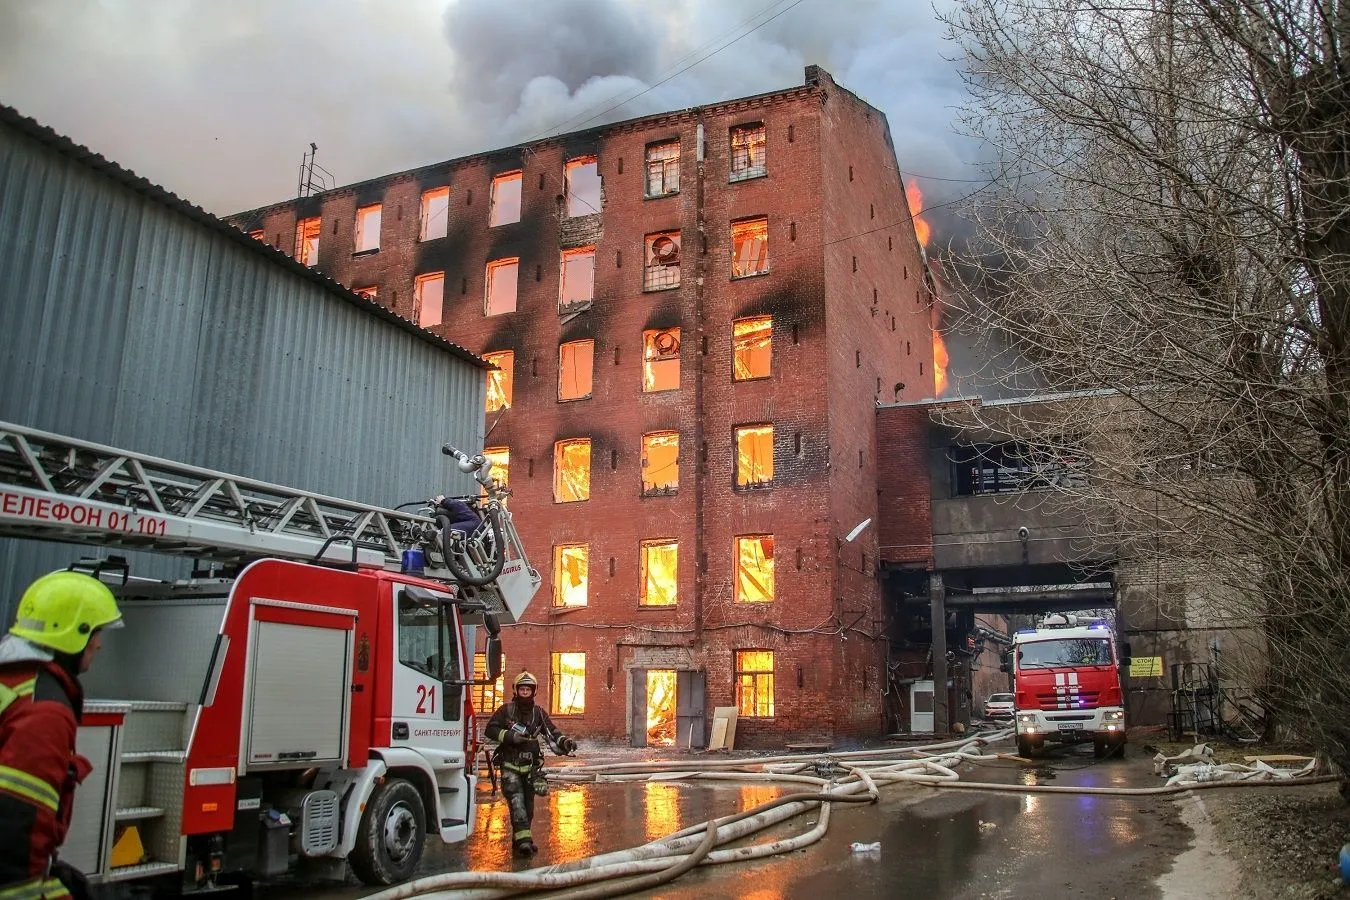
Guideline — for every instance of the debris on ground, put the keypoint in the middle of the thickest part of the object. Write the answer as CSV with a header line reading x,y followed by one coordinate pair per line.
x,y
1285,840
860,847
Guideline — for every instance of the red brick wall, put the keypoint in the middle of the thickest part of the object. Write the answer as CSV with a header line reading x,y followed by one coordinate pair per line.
x,y
903,486
821,403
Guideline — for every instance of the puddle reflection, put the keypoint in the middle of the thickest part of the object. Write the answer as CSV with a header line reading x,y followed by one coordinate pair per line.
x,y
663,810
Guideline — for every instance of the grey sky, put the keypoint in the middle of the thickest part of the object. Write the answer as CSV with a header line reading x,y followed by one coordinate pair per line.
x,y
217,100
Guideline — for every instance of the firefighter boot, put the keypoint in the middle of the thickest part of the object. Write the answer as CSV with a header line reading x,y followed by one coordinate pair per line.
x,y
524,847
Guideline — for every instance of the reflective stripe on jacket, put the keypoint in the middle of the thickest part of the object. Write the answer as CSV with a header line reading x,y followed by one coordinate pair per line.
x,y
40,706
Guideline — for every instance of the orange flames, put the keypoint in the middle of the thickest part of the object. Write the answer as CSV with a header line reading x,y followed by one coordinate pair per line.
x,y
922,230
940,360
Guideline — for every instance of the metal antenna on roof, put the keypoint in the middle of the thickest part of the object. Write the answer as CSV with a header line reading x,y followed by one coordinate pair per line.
x,y
314,178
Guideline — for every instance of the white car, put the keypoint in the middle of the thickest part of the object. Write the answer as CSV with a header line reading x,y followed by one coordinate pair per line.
x,y
998,706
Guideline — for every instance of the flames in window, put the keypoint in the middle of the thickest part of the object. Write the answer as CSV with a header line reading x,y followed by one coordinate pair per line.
x,y
749,247
307,241
661,360
572,471
499,380
500,457
569,684
754,455
571,574
660,571
754,683
660,462
754,568
752,348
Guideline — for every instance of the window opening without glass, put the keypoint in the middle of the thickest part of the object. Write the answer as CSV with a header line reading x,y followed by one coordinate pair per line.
x,y
571,574
503,275
749,247
660,360
504,205
429,298
572,471
752,348
568,684
500,380
435,221
576,368
659,573
583,186
660,462
754,568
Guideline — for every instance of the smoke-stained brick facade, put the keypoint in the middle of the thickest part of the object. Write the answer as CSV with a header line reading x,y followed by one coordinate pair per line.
x,y
850,328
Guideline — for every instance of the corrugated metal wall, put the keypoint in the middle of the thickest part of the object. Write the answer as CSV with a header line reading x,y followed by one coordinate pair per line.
x,y
124,321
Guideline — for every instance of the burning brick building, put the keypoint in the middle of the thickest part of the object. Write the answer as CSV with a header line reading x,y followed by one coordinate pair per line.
x,y
694,315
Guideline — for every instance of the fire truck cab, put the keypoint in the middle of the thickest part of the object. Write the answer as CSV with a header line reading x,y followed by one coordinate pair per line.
x,y
1066,687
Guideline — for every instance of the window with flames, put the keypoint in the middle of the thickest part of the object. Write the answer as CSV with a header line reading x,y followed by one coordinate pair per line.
x,y
754,568
567,694
754,683
500,457
660,573
307,241
571,574
752,348
499,380
572,470
662,270
754,456
660,360
660,463
749,247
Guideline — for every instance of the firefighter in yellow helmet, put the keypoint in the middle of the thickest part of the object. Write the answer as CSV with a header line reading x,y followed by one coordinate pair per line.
x,y
517,726
54,639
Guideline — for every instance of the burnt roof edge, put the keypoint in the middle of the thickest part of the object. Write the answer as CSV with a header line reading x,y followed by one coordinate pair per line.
x,y
812,86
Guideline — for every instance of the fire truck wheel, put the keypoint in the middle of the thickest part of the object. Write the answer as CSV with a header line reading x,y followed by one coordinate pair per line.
x,y
393,832
1025,748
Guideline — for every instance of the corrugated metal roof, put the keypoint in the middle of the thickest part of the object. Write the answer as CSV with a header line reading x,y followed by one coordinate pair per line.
x,y
41,133
130,318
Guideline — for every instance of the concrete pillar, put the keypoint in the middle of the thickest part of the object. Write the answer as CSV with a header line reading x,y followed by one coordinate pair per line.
x,y
937,610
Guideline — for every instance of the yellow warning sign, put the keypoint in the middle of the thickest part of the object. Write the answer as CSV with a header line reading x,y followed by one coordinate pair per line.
x,y
1146,667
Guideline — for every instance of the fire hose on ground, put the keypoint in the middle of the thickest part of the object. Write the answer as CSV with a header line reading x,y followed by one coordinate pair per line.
x,y
846,777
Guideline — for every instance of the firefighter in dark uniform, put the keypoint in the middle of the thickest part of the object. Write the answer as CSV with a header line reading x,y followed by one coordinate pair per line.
x,y
54,640
517,726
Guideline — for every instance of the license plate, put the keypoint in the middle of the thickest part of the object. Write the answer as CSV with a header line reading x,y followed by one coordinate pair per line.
x,y
1070,726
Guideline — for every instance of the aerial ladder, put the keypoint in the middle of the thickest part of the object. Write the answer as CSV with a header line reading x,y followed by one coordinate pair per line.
x,y
60,488
302,694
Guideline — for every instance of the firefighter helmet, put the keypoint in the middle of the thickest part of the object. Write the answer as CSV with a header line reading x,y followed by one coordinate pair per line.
x,y
61,610
524,679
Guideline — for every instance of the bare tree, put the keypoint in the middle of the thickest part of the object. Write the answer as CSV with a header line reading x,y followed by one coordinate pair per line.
x,y
1169,220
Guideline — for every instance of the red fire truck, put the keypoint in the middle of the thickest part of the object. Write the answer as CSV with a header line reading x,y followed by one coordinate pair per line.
x,y
302,694
1066,687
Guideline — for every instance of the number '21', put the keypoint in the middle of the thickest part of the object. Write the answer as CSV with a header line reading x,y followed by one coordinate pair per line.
x,y
426,699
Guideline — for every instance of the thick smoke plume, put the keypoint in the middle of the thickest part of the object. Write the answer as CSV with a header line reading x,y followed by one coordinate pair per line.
x,y
216,101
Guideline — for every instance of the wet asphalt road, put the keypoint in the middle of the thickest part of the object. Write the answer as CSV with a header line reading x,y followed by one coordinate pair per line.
x,y
945,845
